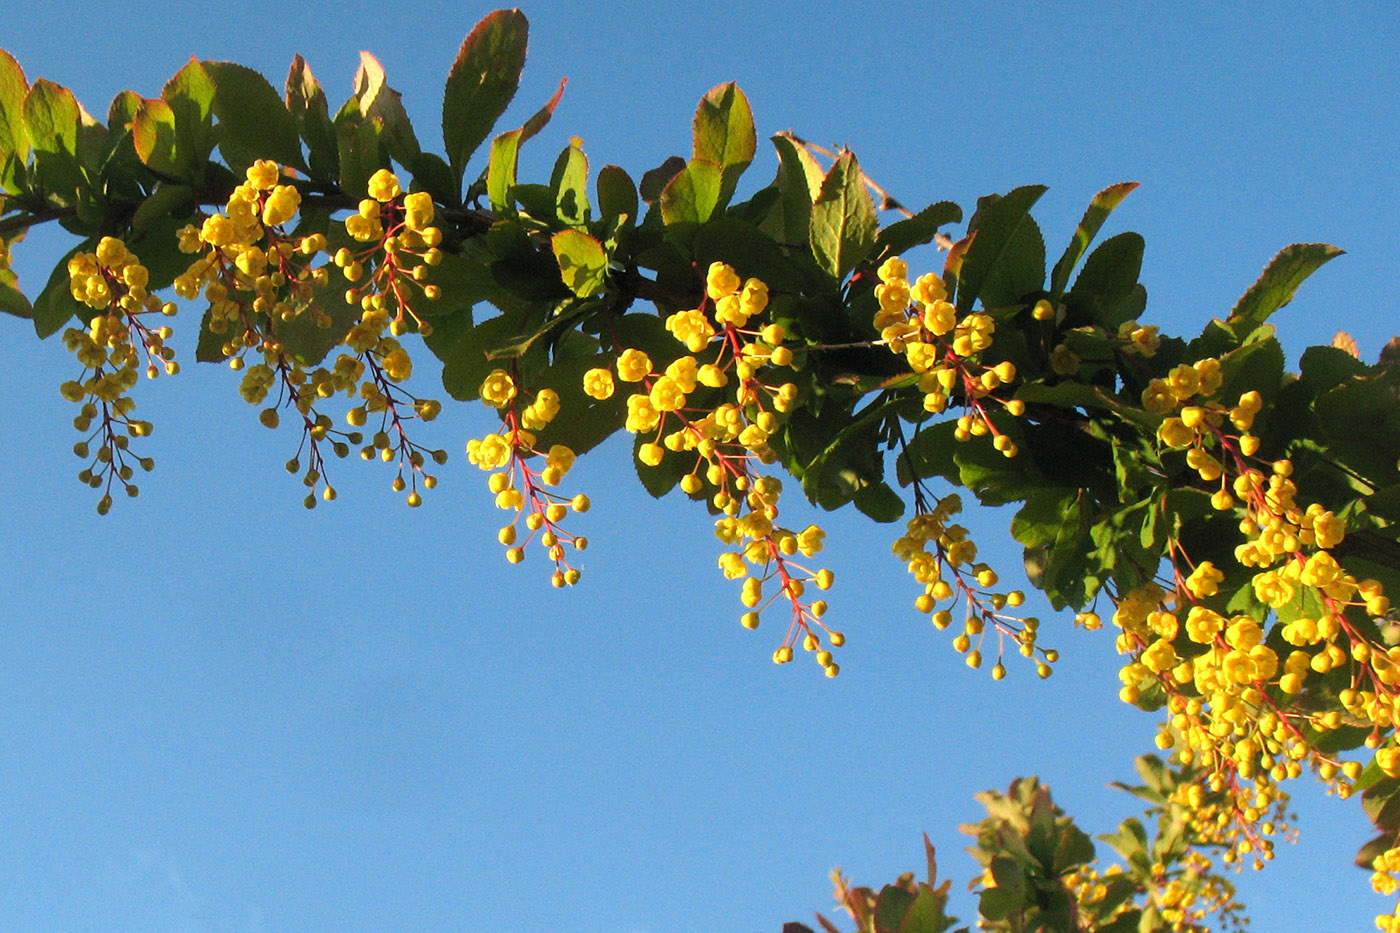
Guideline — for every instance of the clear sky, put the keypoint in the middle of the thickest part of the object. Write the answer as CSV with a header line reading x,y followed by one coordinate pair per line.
x,y
220,712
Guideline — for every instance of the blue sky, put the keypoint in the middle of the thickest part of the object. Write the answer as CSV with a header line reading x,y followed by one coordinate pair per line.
x,y
220,712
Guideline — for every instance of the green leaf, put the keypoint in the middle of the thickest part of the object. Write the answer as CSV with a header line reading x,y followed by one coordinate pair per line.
x,y
121,171
1072,395
122,110
505,149
1109,276
190,94
904,235
1130,841
1280,279
52,118
481,84
749,250
56,305
433,175
995,228
929,453
569,186
583,263
654,181
584,422
1054,528
926,914
1257,366
996,479
1019,270
724,134
14,138
879,502
843,219
998,903
660,479
1072,848
465,280
617,195
156,139
693,194
1103,204
254,122
306,341
892,906
360,155
163,202
306,101
1361,423
209,348
12,300
378,101
468,364
799,182
847,456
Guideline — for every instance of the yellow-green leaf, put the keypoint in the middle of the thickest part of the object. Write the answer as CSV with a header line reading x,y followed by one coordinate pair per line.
x,y
583,263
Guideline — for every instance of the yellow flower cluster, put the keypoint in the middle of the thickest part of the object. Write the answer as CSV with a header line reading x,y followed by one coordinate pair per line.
x,y
112,282
943,558
731,350
1228,683
246,266
917,321
402,247
521,488
1187,898
257,278
1385,880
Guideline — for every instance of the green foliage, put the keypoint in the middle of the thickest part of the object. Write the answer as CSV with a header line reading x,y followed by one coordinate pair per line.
x,y
1042,389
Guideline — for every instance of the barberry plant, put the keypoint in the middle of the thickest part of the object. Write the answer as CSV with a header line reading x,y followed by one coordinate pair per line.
x,y
1215,507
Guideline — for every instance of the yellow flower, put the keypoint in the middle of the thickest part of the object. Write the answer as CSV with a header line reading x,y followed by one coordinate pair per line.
x,y
893,268
893,295
712,376
929,288
691,328
754,297
384,185
641,415
498,389
263,174
1174,433
633,366
598,383
685,372
560,458
666,395
810,540
282,205
418,210
397,364
1202,625
721,280
490,453
1204,580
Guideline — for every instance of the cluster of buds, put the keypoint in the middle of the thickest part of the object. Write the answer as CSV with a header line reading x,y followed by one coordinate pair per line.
x,y
944,350
118,344
731,361
522,488
943,558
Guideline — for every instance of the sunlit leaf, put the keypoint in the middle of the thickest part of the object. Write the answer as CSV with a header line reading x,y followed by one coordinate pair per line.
x,y
481,83
843,219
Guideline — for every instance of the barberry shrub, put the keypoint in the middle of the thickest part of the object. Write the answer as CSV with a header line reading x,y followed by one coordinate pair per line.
x,y
1214,507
